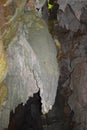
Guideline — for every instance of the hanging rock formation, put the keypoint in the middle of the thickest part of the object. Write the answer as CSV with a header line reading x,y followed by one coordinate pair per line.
x,y
32,66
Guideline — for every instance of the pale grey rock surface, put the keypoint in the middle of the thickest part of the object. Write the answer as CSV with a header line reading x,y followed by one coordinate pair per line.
x,y
68,19
32,66
76,5
70,13
39,3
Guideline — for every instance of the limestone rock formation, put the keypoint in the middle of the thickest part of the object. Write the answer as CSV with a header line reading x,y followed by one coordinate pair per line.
x,y
75,5
78,99
32,67
3,71
70,13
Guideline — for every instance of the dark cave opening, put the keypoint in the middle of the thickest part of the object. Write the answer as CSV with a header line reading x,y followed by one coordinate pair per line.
x,y
29,116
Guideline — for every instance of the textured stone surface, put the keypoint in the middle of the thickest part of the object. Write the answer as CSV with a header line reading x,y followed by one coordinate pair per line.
x,y
72,13
68,19
3,62
32,66
78,99
3,71
76,5
39,3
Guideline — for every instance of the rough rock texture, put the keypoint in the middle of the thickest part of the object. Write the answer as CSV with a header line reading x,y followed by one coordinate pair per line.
x,y
70,13
67,19
3,62
46,53
78,99
3,94
39,3
32,66
73,70
76,5
3,71
73,66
